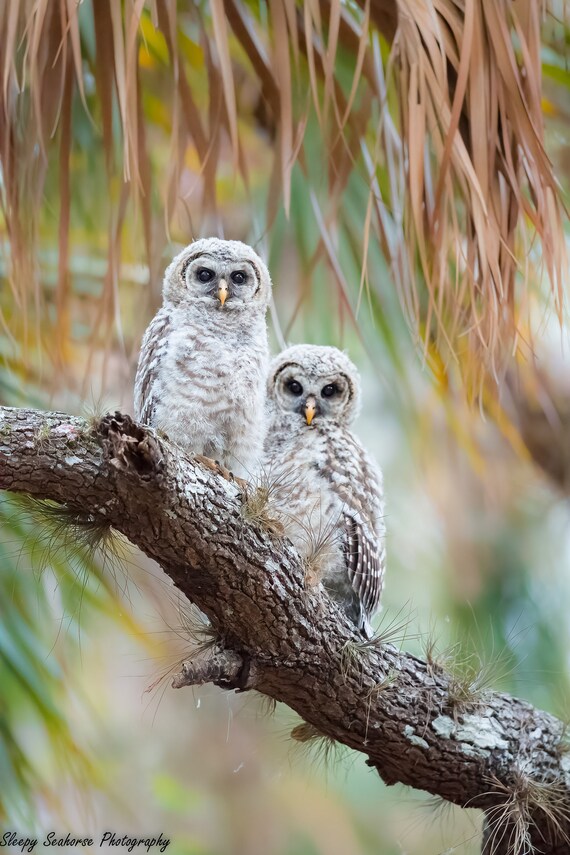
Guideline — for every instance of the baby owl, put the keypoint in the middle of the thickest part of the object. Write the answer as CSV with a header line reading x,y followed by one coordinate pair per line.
x,y
332,485
204,357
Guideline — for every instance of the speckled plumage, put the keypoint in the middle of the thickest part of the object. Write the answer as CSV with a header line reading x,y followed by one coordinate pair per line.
x,y
204,357
332,484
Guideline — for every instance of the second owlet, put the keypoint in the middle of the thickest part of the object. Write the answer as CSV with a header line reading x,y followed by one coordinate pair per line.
x,y
204,357
331,486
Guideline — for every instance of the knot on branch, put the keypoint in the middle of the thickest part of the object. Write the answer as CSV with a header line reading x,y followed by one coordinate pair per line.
x,y
226,669
130,447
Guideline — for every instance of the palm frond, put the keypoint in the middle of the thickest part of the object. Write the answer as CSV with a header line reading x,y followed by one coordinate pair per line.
x,y
433,112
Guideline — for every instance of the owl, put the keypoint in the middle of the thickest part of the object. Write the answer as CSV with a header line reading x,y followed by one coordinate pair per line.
x,y
204,358
334,490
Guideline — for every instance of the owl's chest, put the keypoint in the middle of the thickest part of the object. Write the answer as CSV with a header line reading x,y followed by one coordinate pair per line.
x,y
195,354
306,457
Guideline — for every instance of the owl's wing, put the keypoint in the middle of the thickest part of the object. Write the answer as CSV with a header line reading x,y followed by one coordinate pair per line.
x,y
152,351
365,558
358,483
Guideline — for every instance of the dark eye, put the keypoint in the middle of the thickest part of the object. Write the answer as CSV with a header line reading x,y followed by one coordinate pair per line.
x,y
205,274
294,387
329,390
238,277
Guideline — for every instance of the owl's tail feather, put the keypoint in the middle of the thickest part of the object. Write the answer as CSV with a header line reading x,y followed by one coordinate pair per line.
x,y
364,625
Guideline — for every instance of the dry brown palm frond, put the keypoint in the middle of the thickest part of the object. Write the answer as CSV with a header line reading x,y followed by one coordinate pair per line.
x,y
479,180
445,130
222,49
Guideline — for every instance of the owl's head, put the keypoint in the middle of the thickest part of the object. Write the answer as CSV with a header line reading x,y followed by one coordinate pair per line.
x,y
315,383
226,275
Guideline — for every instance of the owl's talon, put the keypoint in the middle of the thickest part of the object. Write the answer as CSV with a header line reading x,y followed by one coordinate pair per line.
x,y
218,468
241,482
207,462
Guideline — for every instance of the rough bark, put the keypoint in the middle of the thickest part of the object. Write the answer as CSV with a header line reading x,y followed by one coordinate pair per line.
x,y
223,668
284,640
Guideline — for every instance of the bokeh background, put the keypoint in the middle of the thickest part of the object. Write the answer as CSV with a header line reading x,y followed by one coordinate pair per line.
x,y
316,132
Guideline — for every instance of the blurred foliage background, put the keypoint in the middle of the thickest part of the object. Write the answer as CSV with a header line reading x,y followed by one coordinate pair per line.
x,y
403,166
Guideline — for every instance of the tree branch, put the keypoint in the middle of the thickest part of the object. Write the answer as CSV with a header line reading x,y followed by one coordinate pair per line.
x,y
403,713
224,668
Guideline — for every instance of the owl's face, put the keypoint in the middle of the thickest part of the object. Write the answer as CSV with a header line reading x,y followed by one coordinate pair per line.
x,y
315,383
224,275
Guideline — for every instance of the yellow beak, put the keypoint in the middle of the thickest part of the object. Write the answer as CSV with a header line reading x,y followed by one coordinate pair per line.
x,y
222,292
310,410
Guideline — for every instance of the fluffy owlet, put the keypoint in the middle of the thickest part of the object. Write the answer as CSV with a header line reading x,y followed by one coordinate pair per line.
x,y
204,357
333,489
